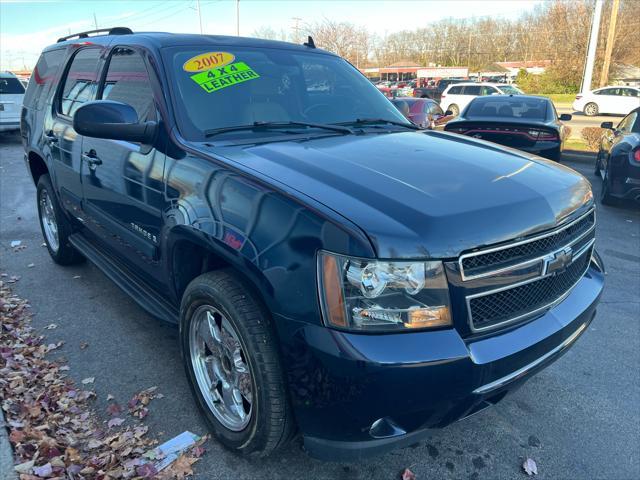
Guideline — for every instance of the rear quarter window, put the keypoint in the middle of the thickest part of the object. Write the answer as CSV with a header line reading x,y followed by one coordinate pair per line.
x,y
10,86
42,79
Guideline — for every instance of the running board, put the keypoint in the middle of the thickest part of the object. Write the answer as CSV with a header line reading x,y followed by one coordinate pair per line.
x,y
143,295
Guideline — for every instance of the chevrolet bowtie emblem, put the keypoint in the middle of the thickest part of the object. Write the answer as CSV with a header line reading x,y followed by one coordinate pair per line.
x,y
558,261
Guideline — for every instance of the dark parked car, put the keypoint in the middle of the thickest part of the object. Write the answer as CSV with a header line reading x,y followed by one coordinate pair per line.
x,y
526,122
435,92
618,161
333,269
424,112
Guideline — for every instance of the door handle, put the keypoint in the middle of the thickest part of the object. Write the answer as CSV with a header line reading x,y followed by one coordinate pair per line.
x,y
92,159
50,137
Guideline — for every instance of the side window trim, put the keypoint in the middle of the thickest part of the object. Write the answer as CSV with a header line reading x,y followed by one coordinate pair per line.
x,y
57,99
102,79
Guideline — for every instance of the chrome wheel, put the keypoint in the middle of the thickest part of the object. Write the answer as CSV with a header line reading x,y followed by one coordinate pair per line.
x,y
221,368
48,220
591,109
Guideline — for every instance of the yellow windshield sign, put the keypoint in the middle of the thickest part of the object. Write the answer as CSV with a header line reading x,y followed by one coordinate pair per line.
x,y
208,60
223,77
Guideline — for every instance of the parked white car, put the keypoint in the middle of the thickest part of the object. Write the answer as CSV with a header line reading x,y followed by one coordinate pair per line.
x,y
458,95
615,100
11,96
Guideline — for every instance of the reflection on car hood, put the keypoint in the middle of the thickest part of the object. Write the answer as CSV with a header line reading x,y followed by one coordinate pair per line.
x,y
423,194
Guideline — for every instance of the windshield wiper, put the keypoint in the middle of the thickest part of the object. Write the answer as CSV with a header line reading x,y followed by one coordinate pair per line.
x,y
373,121
274,125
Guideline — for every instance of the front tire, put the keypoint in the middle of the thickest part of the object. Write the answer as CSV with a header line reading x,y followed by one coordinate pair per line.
x,y
229,350
455,110
591,109
56,227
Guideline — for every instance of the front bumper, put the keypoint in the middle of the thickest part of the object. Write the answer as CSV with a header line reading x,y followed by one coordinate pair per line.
x,y
358,395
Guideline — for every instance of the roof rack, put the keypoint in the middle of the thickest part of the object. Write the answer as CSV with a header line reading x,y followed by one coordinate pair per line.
x,y
110,31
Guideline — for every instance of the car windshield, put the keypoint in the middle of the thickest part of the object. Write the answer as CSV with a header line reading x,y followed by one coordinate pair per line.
x,y
237,86
9,85
510,89
509,107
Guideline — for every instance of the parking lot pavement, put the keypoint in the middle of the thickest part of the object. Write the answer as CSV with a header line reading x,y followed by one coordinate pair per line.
x,y
579,120
577,419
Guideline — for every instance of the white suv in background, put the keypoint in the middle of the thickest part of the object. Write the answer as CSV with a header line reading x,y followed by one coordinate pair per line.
x,y
458,95
616,100
11,96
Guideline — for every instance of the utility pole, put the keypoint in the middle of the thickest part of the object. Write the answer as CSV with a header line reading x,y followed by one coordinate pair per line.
x,y
199,15
591,51
611,38
296,29
238,18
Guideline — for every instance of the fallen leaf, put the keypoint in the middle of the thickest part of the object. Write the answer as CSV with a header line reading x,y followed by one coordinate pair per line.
x,y
530,467
147,470
408,475
16,436
31,265
51,326
24,467
44,471
115,422
110,397
113,409
83,345
88,380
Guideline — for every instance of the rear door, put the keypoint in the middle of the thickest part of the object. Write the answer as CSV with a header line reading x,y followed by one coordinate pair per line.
x,y
469,92
77,86
123,181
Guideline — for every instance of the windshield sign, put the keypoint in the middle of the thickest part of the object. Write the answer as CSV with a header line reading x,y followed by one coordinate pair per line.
x,y
242,86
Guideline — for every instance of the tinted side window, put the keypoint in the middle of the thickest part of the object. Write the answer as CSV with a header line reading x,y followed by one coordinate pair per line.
x,y
42,78
472,90
628,92
80,81
455,91
128,82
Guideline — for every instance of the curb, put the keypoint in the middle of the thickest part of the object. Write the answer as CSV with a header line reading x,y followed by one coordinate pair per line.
x,y
7,472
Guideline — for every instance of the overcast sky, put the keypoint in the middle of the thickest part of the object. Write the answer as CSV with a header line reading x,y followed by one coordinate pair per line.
x,y
28,26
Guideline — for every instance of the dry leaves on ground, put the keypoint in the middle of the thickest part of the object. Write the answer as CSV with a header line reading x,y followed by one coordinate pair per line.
x,y
54,430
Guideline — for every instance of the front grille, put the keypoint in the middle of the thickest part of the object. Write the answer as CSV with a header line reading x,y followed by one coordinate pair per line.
x,y
493,260
525,277
516,302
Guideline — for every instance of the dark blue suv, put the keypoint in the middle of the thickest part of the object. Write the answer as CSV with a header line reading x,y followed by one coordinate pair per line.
x,y
334,270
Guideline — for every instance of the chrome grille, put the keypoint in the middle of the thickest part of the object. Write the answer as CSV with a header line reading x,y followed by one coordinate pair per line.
x,y
527,276
524,300
483,263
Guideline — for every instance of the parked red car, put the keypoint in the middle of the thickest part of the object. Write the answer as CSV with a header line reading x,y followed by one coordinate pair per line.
x,y
424,112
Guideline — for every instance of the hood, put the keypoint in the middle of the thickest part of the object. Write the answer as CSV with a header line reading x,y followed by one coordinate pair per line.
x,y
423,194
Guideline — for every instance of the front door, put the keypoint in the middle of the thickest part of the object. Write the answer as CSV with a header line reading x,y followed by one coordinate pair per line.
x,y
78,86
123,181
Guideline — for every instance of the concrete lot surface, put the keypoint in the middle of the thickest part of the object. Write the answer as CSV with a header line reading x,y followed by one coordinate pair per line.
x,y
579,418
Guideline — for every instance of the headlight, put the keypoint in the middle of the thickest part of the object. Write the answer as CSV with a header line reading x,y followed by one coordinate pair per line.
x,y
374,295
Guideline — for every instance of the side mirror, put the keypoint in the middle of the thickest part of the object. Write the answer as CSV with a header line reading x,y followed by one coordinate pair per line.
x,y
113,120
448,112
565,117
607,125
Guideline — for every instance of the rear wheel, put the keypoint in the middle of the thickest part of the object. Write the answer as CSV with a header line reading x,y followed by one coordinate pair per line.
x,y
56,227
555,154
229,351
591,109
455,110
